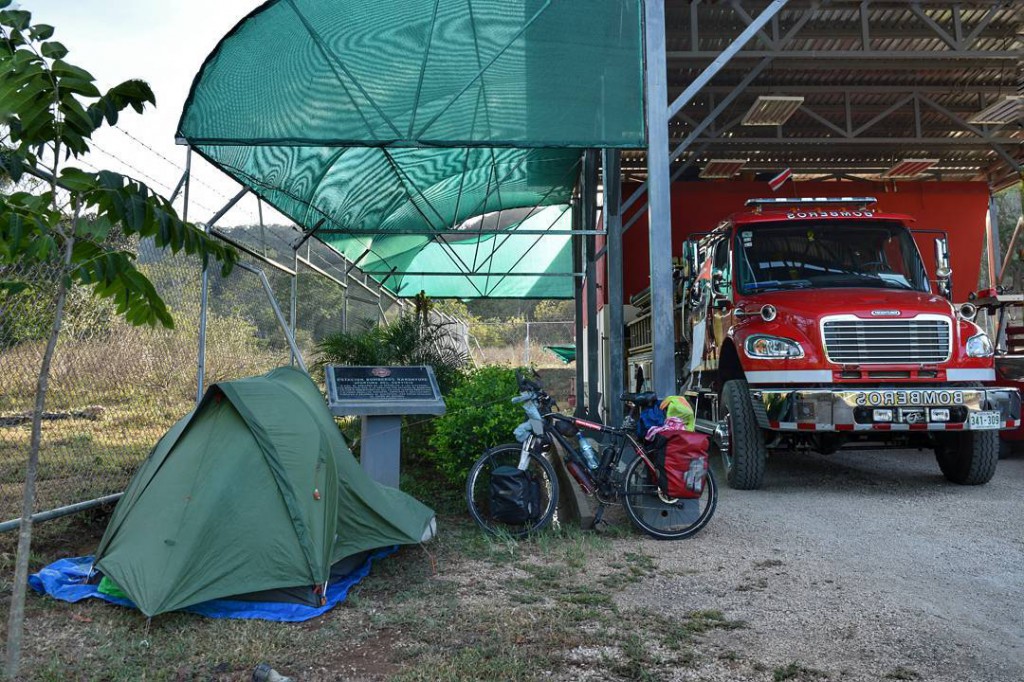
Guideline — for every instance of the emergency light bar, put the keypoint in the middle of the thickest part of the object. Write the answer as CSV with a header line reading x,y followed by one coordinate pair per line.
x,y
809,201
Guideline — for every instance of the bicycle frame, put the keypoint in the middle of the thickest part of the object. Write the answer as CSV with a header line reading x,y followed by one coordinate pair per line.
x,y
586,425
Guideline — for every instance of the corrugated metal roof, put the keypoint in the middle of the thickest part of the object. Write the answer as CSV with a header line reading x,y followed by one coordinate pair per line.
x,y
908,90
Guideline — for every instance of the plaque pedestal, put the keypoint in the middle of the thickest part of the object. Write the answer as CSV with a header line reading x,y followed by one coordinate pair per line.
x,y
380,396
381,448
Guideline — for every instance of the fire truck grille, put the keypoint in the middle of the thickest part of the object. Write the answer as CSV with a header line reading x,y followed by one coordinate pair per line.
x,y
887,342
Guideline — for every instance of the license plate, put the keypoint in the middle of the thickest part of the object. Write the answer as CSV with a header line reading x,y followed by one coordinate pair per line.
x,y
985,420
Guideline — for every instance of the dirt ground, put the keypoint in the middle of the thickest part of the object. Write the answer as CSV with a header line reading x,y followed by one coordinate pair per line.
x,y
855,567
859,566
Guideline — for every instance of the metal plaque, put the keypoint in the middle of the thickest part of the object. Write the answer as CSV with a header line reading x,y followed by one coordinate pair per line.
x,y
383,390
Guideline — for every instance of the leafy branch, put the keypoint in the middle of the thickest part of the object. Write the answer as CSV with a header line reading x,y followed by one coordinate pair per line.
x,y
49,111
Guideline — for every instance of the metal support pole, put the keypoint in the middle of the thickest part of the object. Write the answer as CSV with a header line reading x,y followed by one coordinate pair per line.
x,y
177,188
526,354
992,237
611,170
227,207
1009,250
289,337
589,213
577,264
294,296
658,11
344,311
13,524
660,202
204,290
994,259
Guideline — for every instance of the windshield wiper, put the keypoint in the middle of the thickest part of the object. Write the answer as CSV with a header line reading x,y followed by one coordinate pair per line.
x,y
779,284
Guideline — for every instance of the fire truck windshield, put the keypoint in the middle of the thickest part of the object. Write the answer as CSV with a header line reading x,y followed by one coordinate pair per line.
x,y
828,253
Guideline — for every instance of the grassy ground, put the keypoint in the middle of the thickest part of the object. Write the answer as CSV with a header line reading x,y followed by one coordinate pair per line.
x,y
461,608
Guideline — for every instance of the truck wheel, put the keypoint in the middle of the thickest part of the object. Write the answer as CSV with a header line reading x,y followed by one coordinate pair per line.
x,y
968,458
744,454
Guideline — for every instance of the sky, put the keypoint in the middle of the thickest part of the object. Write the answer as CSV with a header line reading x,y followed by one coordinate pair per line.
x,y
162,42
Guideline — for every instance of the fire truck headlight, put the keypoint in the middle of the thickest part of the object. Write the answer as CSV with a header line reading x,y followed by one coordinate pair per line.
x,y
761,346
980,346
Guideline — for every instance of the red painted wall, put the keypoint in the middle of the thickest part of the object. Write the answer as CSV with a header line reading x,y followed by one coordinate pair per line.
x,y
956,207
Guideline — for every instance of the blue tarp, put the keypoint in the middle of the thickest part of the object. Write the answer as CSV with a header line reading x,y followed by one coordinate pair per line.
x,y
67,580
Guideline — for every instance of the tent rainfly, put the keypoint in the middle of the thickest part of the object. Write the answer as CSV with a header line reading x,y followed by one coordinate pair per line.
x,y
254,495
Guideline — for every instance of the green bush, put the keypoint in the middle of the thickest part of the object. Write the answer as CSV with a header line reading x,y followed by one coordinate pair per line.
x,y
406,341
480,415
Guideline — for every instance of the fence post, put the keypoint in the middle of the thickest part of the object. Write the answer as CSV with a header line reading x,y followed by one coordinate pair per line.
x,y
527,362
204,289
294,295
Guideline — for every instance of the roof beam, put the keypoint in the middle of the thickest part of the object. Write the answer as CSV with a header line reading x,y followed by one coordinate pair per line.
x,y
458,235
471,274
936,28
938,55
924,142
864,89
720,59
995,143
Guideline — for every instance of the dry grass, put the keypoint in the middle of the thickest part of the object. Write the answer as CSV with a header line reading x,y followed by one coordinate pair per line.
x,y
541,608
141,379
515,355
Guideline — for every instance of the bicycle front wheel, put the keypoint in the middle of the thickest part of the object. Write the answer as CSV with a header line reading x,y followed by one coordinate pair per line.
x,y
662,517
478,490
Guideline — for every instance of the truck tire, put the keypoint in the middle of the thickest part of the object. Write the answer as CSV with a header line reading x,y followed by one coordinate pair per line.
x,y
969,457
745,454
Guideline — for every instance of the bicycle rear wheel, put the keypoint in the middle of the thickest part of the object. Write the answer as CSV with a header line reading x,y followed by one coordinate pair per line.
x,y
479,483
662,517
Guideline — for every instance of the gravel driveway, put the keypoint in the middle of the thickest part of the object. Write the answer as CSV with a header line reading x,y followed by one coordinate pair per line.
x,y
857,566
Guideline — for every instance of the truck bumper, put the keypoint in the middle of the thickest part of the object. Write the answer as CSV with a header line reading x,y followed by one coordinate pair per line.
x,y
892,409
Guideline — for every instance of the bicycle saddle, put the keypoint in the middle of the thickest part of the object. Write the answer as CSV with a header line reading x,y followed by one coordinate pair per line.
x,y
646,399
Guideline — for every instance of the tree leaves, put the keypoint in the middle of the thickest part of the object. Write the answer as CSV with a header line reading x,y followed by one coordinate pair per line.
x,y
49,103
15,18
54,50
113,275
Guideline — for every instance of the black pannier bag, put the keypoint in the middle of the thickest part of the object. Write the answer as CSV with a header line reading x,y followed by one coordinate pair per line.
x,y
514,495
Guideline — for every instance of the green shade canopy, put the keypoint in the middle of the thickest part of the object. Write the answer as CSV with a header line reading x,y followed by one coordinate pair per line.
x,y
383,124
566,354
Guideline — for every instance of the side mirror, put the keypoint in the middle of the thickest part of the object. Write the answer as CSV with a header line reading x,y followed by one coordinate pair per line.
x,y
943,272
690,265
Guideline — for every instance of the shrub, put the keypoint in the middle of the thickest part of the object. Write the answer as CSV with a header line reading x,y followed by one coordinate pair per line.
x,y
406,341
480,415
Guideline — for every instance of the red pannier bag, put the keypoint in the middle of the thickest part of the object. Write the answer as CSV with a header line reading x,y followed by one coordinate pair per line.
x,y
681,458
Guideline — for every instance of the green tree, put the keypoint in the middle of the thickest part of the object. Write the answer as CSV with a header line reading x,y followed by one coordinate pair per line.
x,y
49,110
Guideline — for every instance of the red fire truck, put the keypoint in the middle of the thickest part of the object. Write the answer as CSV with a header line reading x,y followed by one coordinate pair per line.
x,y
813,323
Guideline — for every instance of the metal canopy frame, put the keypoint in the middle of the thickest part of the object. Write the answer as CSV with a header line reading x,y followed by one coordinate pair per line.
x,y
882,80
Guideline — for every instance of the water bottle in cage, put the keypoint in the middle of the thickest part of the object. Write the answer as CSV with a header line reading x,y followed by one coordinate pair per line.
x,y
587,450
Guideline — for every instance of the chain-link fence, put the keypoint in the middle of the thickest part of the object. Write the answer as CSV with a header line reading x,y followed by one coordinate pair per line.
x,y
517,342
115,388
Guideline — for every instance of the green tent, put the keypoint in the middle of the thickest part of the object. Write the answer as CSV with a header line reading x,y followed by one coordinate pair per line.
x,y
252,495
